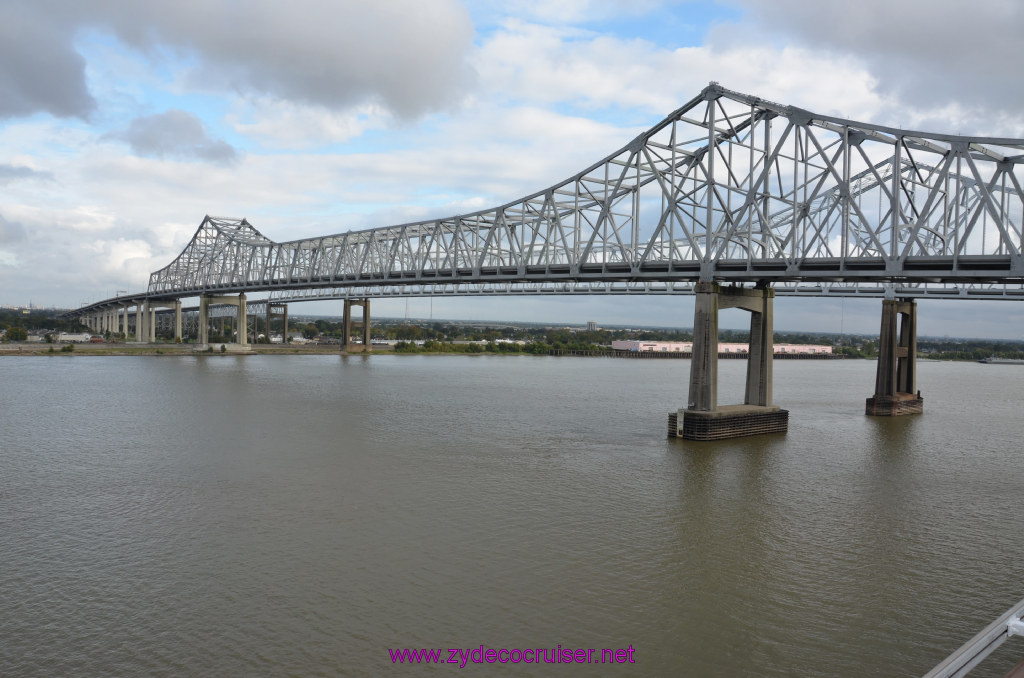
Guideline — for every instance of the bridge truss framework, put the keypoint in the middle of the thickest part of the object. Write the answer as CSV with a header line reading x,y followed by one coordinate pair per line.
x,y
732,198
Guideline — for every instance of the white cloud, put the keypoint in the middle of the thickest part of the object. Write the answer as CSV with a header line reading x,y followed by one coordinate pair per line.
x,y
10,232
12,173
81,218
529,62
175,134
922,56
121,257
406,54
285,124
583,11
39,69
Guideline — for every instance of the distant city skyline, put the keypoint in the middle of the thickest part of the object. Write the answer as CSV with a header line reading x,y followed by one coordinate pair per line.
x,y
144,117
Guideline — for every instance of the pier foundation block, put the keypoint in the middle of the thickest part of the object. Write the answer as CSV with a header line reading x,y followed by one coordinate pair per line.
x,y
728,421
894,405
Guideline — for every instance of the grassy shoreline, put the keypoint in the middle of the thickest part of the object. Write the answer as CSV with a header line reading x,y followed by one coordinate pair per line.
x,y
164,349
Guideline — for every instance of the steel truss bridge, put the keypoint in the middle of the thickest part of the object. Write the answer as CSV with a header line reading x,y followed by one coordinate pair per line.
x,y
728,188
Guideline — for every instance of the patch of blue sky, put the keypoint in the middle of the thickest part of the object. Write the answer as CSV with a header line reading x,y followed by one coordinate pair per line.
x,y
619,114
683,24
668,24
128,84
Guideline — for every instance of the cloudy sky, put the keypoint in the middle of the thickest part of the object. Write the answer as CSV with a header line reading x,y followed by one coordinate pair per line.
x,y
123,123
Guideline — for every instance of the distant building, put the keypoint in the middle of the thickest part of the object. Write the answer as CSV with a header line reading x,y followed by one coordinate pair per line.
x,y
591,326
73,338
687,347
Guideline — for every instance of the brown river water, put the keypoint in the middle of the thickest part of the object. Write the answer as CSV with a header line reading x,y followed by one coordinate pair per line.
x,y
305,515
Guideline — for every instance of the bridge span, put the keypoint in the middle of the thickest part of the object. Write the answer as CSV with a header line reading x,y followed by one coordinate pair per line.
x,y
731,198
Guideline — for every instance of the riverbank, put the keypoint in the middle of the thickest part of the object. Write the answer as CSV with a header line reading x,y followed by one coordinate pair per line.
x,y
26,349
15,349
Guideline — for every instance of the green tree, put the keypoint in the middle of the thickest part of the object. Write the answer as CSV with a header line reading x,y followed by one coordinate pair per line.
x,y
16,334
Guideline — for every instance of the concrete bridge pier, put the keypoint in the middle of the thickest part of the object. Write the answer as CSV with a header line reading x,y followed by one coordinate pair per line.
x,y
704,418
278,311
203,330
145,319
896,380
242,321
346,326
205,301
151,321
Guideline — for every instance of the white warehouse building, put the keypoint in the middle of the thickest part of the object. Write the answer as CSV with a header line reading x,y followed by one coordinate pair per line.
x,y
687,347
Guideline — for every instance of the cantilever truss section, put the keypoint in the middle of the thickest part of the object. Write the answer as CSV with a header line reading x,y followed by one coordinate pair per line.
x,y
729,187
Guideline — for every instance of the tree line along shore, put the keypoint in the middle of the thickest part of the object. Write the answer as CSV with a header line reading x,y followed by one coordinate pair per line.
x,y
38,332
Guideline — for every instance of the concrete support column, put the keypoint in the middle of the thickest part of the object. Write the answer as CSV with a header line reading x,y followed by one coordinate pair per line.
x,y
346,325
366,324
284,326
896,378
704,364
242,321
139,334
177,320
151,322
762,349
204,320
267,330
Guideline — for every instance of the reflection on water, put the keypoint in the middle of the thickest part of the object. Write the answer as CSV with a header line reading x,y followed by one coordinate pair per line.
x,y
257,515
